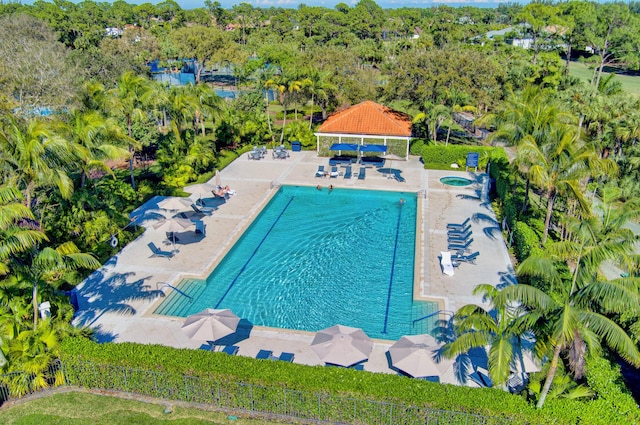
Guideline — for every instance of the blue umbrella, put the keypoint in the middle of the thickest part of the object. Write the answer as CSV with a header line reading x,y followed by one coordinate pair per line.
x,y
343,147
372,148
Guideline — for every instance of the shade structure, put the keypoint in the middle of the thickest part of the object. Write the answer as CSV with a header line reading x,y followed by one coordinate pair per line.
x,y
342,345
211,325
173,225
372,148
414,355
199,189
343,147
174,204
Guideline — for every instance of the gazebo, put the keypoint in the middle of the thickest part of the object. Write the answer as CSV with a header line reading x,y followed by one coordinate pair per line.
x,y
367,123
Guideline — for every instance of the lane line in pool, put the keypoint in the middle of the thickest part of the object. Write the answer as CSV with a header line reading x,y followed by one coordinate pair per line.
x,y
244,266
393,266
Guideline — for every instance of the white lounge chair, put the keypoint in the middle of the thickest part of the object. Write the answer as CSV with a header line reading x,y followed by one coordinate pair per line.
x,y
446,263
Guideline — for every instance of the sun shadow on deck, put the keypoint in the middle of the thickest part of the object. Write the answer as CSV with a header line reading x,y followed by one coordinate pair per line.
x,y
105,292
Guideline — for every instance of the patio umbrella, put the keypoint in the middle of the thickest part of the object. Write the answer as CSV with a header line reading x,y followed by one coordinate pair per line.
x,y
211,325
218,181
414,355
199,188
343,147
174,203
342,345
372,148
173,225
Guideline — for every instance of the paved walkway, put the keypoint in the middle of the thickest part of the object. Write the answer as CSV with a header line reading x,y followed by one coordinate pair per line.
x,y
117,300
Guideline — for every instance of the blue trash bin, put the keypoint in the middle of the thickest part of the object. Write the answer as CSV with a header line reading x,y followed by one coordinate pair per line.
x,y
296,146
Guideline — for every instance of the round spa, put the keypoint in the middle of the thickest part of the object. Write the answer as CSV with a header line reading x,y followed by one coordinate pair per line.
x,y
456,181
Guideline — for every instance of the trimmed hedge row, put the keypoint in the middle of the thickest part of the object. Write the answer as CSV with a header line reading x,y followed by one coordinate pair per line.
x,y
525,240
182,363
440,157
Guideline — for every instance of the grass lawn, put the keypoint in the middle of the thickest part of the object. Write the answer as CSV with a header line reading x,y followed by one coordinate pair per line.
x,y
630,84
78,408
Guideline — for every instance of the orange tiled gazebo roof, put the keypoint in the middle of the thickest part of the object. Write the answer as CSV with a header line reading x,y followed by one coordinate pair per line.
x,y
368,118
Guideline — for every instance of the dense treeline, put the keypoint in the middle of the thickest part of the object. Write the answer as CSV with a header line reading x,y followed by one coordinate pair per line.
x,y
86,135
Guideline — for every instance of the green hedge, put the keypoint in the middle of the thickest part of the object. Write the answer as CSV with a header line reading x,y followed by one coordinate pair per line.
x,y
525,241
180,363
440,157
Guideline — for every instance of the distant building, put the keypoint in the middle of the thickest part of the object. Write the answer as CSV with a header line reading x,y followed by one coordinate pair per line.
x,y
113,32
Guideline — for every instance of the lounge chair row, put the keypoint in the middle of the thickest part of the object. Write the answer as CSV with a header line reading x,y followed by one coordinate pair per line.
x,y
334,173
459,236
268,355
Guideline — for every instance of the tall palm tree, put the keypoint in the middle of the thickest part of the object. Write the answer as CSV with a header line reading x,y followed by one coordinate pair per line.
x,y
288,88
129,100
572,318
573,314
45,266
433,117
89,133
560,165
36,156
318,87
208,106
17,236
501,329
182,107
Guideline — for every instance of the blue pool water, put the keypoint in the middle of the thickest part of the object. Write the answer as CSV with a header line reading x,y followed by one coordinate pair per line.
x,y
313,259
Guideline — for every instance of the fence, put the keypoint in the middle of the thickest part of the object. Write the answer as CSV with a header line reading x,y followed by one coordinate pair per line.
x,y
19,384
259,400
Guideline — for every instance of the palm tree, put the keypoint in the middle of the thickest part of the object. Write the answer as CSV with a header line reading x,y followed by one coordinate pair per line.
x,y
289,86
433,117
572,314
89,133
560,165
17,235
500,329
182,107
48,265
35,156
208,105
129,100
318,86
572,318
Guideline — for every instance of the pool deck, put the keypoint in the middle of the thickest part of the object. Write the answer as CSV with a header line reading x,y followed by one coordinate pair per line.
x,y
117,300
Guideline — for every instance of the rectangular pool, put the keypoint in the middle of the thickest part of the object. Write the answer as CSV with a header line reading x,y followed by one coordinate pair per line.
x,y
315,258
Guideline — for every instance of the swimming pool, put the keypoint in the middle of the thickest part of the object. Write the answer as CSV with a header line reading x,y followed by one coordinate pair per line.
x,y
315,258
456,181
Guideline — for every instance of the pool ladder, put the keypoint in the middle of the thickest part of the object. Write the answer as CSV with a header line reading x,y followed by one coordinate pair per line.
x,y
161,285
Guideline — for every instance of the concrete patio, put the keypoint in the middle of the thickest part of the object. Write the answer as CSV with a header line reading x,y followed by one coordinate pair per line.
x,y
118,300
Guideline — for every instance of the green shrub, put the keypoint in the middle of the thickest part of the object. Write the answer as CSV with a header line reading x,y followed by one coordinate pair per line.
x,y
605,379
417,147
500,172
178,364
441,157
525,241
